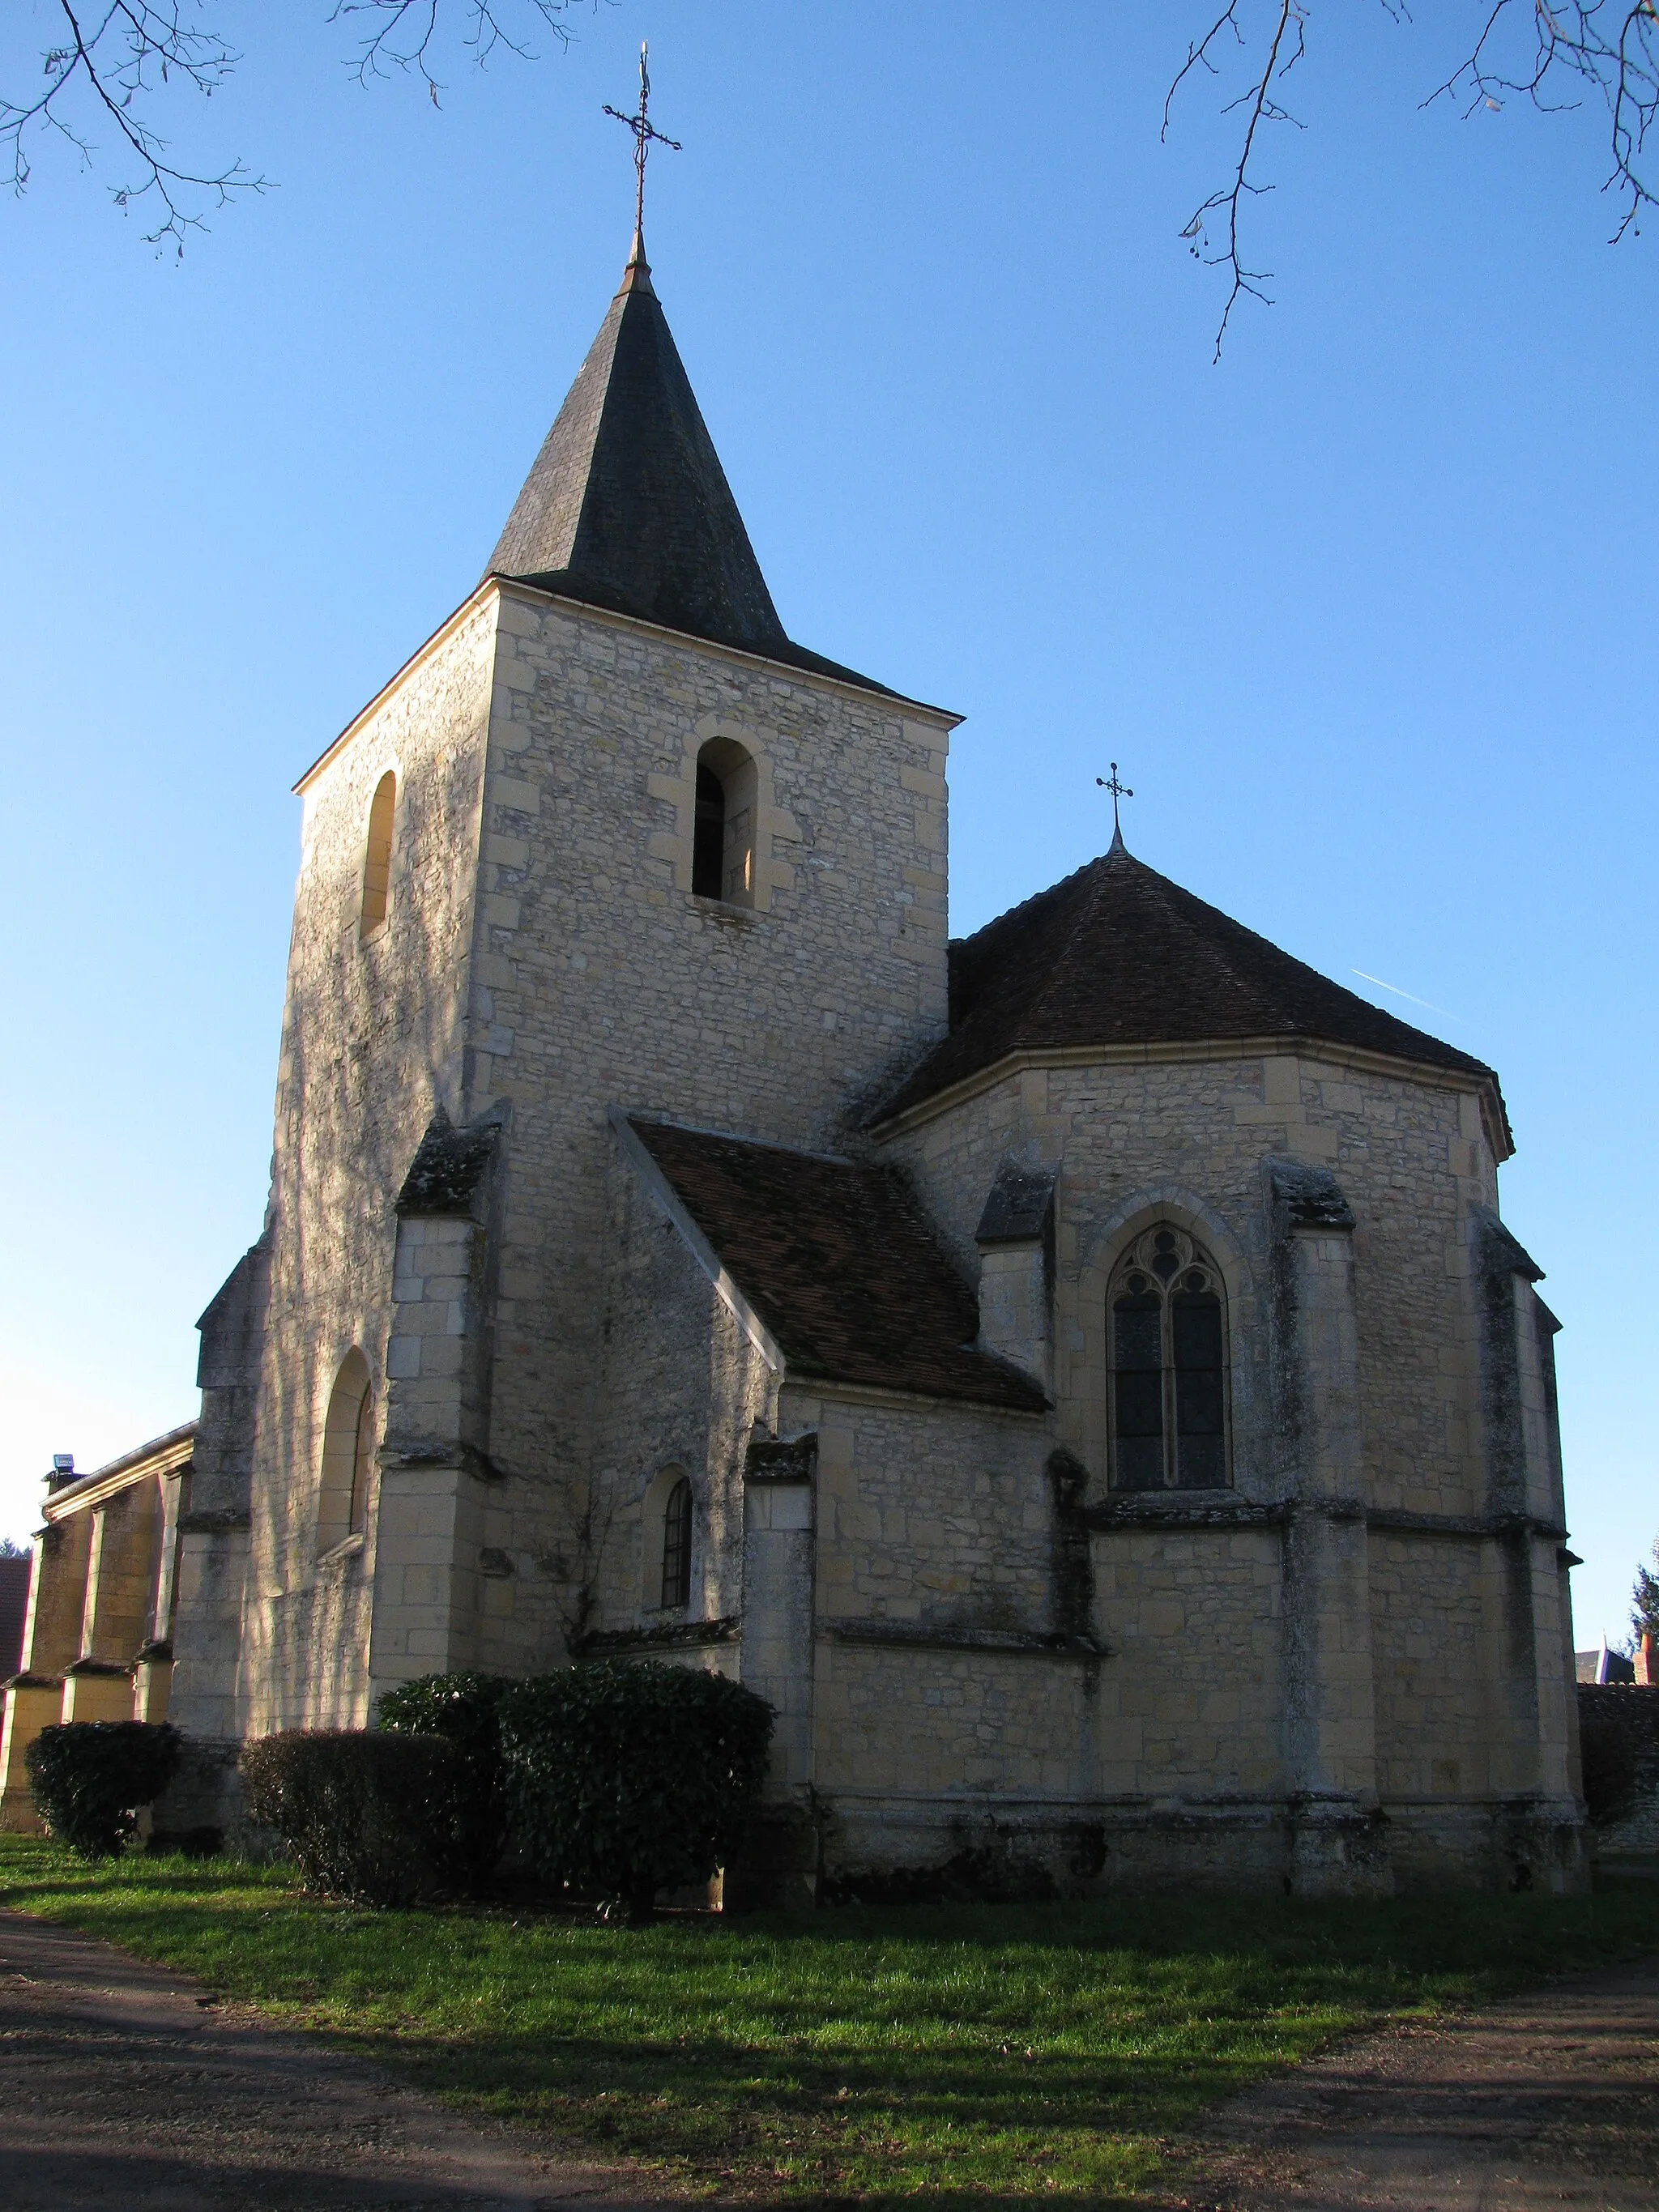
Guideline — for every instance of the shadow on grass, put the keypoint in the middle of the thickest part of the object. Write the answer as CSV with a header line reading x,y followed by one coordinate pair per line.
x,y
955,2050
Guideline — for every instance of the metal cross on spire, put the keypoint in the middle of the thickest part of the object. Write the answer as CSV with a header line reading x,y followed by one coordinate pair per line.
x,y
1118,791
644,131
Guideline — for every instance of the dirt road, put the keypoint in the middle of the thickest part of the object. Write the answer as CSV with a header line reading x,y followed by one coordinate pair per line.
x,y
124,2086
1550,2100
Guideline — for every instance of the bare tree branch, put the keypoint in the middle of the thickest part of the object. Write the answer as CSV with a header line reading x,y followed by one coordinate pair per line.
x,y
402,34
110,64
1609,47
1285,50
117,60
1549,51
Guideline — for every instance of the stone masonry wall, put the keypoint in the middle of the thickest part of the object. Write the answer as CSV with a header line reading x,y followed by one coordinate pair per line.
x,y
1135,1140
1192,1700
371,1039
600,980
688,1390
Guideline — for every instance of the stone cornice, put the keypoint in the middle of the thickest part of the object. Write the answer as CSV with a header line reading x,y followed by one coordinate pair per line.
x,y
1012,1065
167,1455
921,1636
1205,1509
509,587
671,1636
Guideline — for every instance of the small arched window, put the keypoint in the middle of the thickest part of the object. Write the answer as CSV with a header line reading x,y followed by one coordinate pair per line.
x,y
676,1546
723,828
1166,1335
348,1455
377,859
708,838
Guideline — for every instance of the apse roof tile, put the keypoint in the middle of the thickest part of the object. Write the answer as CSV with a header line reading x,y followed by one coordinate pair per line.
x,y
1117,955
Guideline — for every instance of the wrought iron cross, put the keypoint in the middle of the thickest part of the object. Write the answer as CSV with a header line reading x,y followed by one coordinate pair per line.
x,y
644,131
1118,791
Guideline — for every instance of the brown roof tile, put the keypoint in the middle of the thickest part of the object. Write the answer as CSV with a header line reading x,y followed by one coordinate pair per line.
x,y
840,1264
1118,955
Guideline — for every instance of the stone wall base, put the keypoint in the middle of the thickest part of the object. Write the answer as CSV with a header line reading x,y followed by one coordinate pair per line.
x,y
1529,1842
874,1851
201,1810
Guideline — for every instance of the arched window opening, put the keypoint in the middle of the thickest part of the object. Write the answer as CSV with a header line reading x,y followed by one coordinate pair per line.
x,y
723,830
377,860
348,1455
708,838
1166,1365
676,1546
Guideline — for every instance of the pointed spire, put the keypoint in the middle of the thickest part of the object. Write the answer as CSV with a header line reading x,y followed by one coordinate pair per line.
x,y
628,505
637,274
1117,849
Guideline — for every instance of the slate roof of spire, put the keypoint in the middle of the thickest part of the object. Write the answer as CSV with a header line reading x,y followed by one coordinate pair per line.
x,y
628,507
1118,955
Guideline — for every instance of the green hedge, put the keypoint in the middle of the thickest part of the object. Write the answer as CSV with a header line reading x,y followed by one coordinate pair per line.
x,y
624,1779
366,1815
89,1778
465,1710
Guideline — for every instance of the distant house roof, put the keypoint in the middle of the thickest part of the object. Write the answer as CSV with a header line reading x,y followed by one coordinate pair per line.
x,y
840,1263
14,1606
627,506
1118,955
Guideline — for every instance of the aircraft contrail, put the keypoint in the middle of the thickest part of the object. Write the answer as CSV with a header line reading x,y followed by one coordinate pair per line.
x,y
1411,995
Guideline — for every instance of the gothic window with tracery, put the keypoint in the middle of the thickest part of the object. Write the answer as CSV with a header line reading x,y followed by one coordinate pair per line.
x,y
1166,1365
676,1546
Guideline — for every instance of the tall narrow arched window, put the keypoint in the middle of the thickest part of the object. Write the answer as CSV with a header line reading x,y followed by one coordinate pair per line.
x,y
349,1434
1166,1343
709,837
676,1546
377,857
723,828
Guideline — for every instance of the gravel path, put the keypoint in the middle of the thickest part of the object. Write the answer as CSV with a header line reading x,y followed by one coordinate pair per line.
x,y
1549,2100
122,2085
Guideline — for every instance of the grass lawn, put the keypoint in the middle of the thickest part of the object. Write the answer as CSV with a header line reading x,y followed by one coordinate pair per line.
x,y
944,2052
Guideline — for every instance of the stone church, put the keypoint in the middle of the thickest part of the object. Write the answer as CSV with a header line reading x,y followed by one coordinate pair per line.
x,y
1077,1373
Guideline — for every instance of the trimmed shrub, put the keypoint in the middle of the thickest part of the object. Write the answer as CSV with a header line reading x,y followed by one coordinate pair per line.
x,y
366,1815
624,1780
89,1778
464,1709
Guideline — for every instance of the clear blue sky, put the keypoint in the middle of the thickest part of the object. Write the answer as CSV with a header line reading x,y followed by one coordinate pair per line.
x,y
1366,613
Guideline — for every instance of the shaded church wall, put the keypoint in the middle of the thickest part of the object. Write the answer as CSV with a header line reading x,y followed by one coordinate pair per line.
x,y
602,980
1425,1664
1124,1134
685,1390
371,1039
1192,1698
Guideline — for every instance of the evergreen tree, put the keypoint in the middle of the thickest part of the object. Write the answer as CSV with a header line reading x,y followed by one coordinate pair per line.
x,y
1645,1604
